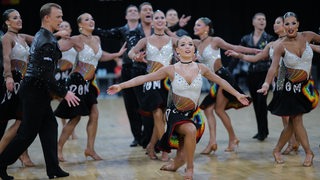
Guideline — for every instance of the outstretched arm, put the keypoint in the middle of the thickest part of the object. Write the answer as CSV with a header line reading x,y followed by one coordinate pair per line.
x,y
238,48
157,75
263,55
224,84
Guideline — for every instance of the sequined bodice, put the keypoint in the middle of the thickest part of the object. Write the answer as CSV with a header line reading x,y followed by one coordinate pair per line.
x,y
304,62
87,55
182,88
20,52
70,55
271,50
209,56
158,57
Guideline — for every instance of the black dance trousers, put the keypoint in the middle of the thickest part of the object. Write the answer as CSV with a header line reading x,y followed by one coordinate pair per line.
x,y
37,119
131,104
255,81
147,121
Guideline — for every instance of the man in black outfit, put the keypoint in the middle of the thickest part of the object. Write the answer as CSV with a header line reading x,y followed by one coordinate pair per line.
x,y
35,90
131,32
257,73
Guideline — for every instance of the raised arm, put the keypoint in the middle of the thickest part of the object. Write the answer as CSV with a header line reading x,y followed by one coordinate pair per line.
x,y
183,21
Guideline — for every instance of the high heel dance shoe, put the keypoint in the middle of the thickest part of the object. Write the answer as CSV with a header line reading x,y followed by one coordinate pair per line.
x,y
26,162
93,155
288,150
165,156
57,173
61,158
60,154
4,175
277,157
170,166
308,161
188,174
209,149
233,147
151,153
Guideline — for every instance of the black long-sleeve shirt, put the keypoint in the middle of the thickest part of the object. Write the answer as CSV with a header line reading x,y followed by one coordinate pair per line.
x,y
44,54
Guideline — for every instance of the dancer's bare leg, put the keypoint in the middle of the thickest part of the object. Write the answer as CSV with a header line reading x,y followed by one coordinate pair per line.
x,y
66,132
212,144
92,127
221,103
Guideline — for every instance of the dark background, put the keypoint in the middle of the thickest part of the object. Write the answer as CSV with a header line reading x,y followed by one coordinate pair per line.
x,y
231,19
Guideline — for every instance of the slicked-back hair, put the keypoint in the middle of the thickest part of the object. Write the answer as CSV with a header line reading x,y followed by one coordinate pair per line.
x,y
46,9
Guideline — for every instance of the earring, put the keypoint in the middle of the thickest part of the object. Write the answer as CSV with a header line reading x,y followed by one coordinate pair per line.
x,y
80,29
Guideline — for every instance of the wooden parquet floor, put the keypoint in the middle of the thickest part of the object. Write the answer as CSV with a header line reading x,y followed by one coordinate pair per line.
x,y
252,161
